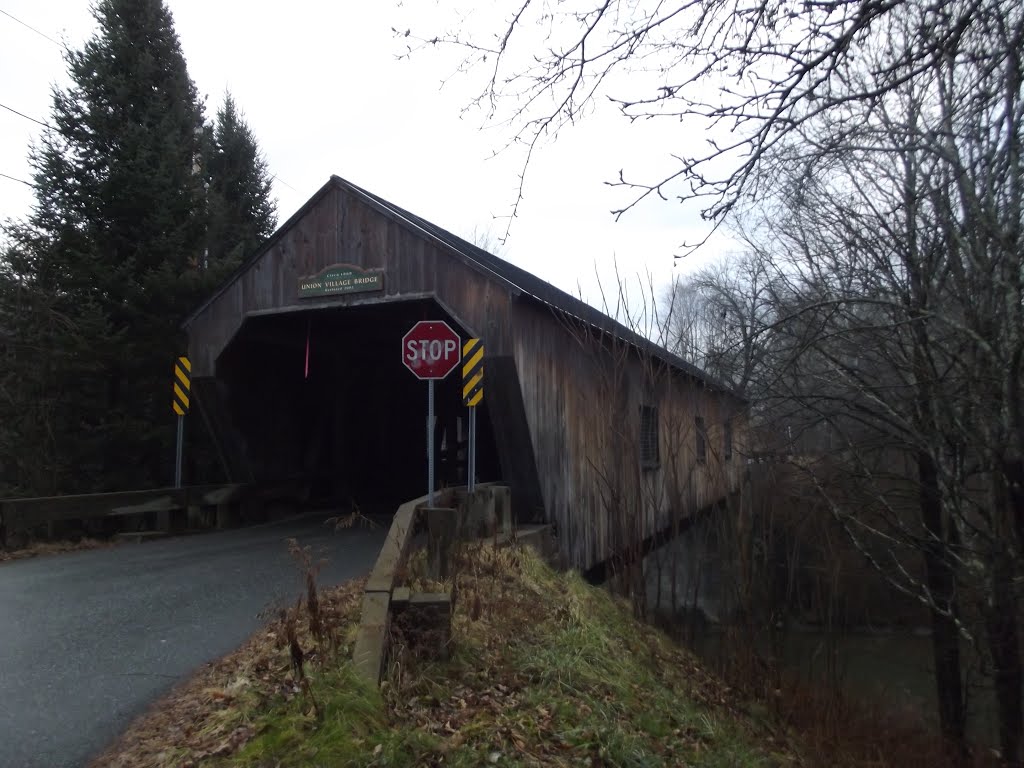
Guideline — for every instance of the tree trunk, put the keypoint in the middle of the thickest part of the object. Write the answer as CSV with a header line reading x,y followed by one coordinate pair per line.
x,y
942,585
1004,645
1013,470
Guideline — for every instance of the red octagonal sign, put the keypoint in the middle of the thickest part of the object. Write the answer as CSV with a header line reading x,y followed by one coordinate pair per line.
x,y
431,349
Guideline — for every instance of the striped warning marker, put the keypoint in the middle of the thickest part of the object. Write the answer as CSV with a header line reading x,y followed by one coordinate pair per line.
x,y
182,385
472,372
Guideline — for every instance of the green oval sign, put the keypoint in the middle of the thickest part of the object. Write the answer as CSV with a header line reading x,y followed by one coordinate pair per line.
x,y
341,278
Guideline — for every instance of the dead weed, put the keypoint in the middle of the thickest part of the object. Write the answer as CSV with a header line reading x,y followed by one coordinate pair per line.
x,y
213,714
42,548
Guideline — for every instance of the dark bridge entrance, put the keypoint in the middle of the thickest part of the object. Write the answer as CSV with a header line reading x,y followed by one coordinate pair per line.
x,y
348,416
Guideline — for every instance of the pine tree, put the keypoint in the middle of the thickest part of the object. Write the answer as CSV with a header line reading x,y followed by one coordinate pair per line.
x,y
141,208
118,218
120,168
241,207
52,418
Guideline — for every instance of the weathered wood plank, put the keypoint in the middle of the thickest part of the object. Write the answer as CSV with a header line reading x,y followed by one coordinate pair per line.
x,y
158,504
371,637
223,495
505,406
442,531
396,547
338,228
581,394
18,515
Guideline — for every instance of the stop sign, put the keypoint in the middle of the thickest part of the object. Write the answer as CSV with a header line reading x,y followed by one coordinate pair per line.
x,y
431,349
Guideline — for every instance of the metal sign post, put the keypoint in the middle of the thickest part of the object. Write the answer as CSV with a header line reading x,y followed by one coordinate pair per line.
x,y
177,458
430,442
180,405
472,395
471,470
431,350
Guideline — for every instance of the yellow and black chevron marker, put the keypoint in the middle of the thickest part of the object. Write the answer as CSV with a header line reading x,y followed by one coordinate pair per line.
x,y
182,385
472,372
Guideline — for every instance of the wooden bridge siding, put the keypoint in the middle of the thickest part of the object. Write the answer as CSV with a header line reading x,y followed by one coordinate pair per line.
x,y
545,379
339,228
562,414
569,412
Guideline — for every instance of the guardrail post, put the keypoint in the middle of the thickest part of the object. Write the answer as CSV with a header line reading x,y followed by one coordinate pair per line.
x,y
225,514
371,637
12,524
503,508
442,530
383,594
5,523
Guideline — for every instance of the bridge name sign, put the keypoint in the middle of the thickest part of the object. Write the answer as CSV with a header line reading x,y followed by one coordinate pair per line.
x,y
341,278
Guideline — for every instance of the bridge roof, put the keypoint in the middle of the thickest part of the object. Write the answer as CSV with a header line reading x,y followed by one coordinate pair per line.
x,y
515,278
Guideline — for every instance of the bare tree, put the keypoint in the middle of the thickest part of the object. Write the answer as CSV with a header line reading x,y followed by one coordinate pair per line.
x,y
748,73
486,239
718,316
879,145
897,281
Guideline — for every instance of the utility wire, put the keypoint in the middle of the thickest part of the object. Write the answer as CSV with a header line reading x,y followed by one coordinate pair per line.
x,y
29,26
40,122
12,178
22,114
274,176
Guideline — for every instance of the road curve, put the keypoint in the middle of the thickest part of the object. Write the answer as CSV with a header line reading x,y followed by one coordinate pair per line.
x,y
89,639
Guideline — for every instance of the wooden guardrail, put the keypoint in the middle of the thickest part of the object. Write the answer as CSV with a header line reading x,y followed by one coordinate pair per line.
x,y
457,514
170,505
19,516
375,621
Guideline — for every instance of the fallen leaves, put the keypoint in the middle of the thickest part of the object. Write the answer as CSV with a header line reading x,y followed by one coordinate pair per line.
x,y
545,671
42,548
208,716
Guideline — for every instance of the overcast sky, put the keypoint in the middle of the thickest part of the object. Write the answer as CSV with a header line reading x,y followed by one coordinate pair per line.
x,y
320,84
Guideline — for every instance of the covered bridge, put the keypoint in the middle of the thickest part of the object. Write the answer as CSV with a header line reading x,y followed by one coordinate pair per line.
x,y
297,369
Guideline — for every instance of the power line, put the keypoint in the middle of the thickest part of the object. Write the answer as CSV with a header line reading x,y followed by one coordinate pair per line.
x,y
12,178
278,178
22,114
29,26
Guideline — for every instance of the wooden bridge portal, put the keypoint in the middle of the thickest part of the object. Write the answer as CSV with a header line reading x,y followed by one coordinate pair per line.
x,y
297,371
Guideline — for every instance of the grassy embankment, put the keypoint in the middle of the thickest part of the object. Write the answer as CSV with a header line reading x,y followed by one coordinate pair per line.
x,y
544,670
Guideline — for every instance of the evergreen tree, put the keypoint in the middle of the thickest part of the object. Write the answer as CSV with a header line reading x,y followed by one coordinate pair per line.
x,y
52,419
100,268
120,210
241,208
131,188
118,192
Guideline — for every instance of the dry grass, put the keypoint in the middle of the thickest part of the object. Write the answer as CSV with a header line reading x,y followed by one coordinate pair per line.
x,y
216,713
548,671
837,730
42,548
834,728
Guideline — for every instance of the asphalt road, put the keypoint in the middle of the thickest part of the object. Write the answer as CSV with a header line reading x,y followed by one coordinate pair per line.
x,y
89,639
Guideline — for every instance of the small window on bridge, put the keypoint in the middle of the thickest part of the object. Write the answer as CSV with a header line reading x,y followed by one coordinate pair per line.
x,y
649,457
727,437
702,438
